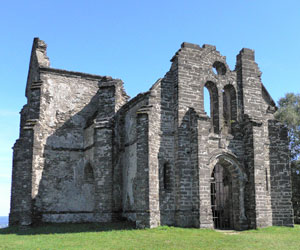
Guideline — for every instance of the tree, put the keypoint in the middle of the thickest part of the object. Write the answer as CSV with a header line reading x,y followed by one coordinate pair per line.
x,y
289,114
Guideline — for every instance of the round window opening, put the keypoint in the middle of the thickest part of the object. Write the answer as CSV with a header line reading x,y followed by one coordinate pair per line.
x,y
219,68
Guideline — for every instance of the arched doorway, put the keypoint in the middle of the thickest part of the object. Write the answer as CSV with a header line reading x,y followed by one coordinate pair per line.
x,y
227,192
221,198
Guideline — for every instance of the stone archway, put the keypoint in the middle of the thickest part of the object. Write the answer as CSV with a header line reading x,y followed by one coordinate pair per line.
x,y
221,198
227,193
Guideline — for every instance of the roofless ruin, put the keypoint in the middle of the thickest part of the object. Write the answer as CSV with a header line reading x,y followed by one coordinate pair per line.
x,y
88,153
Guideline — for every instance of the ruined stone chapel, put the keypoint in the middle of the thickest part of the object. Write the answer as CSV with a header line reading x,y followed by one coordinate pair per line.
x,y
88,153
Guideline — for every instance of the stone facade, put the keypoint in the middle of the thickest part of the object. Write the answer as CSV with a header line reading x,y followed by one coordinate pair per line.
x,y
87,153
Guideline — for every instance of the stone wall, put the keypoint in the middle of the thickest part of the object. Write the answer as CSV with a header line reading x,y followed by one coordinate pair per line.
x,y
280,175
66,104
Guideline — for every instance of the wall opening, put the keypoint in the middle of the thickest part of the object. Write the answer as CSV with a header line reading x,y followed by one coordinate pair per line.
x,y
219,68
229,108
206,101
89,174
215,70
267,180
166,176
221,198
213,103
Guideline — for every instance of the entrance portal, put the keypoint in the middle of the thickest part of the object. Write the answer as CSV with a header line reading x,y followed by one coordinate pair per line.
x,y
221,198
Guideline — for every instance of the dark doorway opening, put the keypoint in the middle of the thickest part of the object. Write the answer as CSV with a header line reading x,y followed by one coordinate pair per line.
x,y
221,198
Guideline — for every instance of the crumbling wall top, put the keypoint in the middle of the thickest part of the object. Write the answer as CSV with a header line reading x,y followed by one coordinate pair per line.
x,y
40,50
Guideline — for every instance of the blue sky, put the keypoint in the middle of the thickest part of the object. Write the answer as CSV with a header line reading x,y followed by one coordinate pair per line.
x,y
134,41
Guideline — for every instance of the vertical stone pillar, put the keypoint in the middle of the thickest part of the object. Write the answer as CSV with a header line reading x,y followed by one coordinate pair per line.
x,y
249,167
27,148
184,168
24,169
147,191
262,196
103,152
249,84
142,190
280,172
258,207
21,198
103,168
187,170
205,212
250,99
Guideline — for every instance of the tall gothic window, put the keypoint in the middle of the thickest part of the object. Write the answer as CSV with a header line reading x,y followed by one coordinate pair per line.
x,y
214,105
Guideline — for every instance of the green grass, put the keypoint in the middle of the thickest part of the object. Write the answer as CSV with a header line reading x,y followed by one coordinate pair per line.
x,y
124,236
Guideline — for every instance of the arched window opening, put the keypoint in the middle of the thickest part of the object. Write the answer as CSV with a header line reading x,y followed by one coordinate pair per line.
x,y
88,174
213,104
206,101
215,70
219,68
166,176
229,107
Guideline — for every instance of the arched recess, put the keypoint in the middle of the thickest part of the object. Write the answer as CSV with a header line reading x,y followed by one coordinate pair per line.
x,y
219,67
229,107
88,173
214,105
221,198
235,174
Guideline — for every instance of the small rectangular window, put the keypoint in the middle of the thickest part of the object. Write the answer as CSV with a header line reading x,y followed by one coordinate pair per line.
x,y
166,176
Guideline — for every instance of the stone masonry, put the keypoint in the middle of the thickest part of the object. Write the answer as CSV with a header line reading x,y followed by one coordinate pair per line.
x,y
88,153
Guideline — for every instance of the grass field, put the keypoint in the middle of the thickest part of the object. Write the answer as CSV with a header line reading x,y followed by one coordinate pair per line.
x,y
124,236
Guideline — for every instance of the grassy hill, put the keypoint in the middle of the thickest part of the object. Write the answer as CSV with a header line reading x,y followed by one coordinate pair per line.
x,y
124,236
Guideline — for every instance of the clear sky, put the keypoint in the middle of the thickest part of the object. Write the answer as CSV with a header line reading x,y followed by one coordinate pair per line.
x,y
134,41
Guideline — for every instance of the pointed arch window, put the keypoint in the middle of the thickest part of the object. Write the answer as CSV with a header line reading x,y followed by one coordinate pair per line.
x,y
214,105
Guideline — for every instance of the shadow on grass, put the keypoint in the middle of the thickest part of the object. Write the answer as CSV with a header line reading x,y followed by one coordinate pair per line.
x,y
63,228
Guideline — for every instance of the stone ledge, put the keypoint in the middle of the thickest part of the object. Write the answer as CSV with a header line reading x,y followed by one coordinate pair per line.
x,y
72,73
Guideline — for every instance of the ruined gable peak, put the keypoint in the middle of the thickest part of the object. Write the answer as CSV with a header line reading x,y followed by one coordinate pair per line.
x,y
39,50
